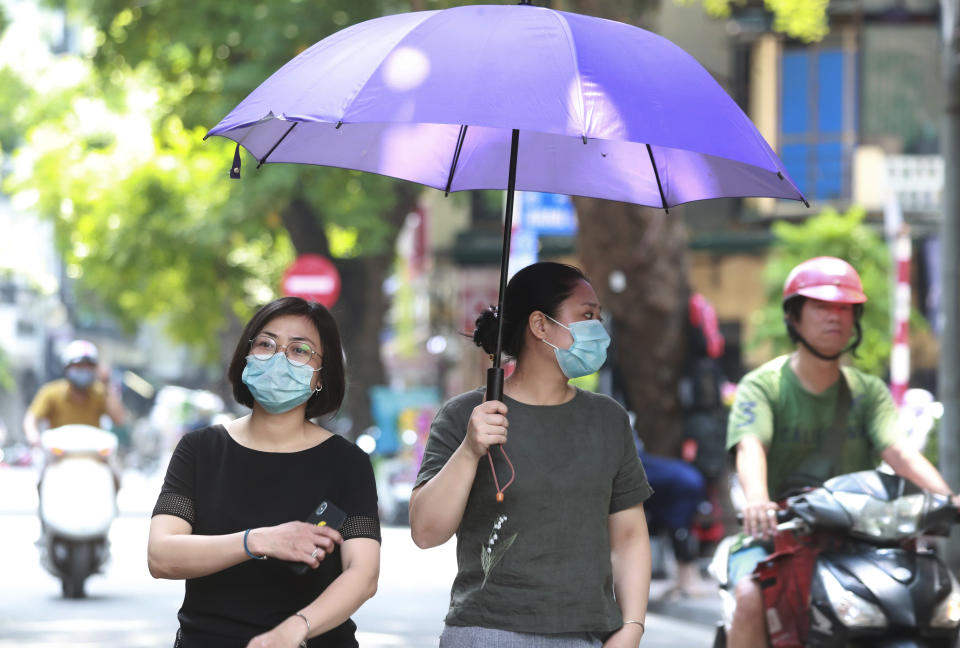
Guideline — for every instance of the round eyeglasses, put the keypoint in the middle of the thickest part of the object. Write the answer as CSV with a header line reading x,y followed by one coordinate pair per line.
x,y
263,347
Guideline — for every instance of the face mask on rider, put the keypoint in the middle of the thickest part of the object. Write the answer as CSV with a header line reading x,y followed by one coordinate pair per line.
x,y
276,384
80,377
588,351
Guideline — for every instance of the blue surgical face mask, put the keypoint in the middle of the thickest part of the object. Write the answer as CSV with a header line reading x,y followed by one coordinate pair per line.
x,y
588,351
276,384
80,377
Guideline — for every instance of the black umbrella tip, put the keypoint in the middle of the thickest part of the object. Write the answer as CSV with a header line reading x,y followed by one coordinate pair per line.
x,y
235,167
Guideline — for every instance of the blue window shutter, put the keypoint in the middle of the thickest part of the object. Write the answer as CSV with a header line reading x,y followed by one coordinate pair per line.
x,y
830,91
815,122
830,166
794,95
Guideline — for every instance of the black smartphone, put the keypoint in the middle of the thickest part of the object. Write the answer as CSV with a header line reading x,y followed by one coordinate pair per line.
x,y
327,514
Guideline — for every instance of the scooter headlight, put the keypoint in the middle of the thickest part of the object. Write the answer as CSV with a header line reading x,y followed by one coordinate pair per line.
x,y
947,614
852,610
883,520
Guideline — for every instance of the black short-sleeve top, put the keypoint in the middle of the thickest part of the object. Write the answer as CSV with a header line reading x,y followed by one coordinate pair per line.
x,y
222,487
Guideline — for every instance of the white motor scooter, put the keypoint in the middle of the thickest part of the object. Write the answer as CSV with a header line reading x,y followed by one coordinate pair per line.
x,y
78,501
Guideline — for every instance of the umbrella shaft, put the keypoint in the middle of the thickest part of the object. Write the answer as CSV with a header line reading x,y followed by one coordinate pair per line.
x,y
507,231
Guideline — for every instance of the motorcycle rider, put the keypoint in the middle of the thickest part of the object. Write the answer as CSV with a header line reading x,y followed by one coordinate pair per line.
x,y
801,419
82,396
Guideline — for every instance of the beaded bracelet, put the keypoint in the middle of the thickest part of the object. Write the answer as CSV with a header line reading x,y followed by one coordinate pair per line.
x,y
247,549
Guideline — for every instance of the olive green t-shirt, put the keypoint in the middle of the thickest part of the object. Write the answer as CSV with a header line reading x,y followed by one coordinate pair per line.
x,y
793,424
539,562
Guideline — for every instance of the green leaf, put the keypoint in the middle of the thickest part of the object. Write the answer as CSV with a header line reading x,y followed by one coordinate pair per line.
x,y
490,556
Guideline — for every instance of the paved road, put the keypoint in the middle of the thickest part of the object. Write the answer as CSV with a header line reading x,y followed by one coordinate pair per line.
x,y
127,608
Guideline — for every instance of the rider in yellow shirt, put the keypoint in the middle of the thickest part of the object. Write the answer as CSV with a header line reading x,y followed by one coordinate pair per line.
x,y
82,396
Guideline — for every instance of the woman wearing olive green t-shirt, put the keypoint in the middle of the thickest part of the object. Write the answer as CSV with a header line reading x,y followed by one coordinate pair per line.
x,y
563,557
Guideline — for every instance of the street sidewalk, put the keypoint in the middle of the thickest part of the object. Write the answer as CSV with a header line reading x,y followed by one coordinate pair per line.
x,y
705,610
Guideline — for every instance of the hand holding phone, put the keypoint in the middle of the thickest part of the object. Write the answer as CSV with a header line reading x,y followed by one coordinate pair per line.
x,y
325,514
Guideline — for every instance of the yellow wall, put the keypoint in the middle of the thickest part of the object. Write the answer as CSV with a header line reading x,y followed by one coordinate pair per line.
x,y
734,285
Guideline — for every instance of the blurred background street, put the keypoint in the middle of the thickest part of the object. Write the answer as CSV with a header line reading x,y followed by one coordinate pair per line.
x,y
126,607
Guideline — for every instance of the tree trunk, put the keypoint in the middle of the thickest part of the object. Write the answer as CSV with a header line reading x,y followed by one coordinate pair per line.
x,y
361,306
648,247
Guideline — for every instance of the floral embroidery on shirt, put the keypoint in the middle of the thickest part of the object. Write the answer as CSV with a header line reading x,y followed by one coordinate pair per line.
x,y
493,550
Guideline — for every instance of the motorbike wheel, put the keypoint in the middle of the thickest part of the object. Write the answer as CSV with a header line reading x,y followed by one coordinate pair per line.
x,y
77,570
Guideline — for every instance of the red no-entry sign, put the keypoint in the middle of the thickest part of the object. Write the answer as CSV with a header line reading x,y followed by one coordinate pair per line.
x,y
314,278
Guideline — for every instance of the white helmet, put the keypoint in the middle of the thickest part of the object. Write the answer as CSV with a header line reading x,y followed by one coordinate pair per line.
x,y
79,351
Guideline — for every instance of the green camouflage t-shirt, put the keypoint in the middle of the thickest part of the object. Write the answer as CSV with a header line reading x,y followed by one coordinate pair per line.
x,y
539,562
792,424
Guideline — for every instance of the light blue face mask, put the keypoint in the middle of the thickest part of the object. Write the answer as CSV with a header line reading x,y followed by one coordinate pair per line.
x,y
588,351
80,377
276,384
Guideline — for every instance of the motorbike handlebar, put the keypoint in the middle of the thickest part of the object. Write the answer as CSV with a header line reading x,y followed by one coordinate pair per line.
x,y
785,515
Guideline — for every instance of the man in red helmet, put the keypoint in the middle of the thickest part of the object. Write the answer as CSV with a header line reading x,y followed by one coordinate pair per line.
x,y
802,418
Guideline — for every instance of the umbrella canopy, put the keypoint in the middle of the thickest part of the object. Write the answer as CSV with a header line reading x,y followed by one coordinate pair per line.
x,y
510,97
603,109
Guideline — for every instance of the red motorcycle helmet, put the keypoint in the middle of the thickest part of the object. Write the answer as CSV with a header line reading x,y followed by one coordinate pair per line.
x,y
825,278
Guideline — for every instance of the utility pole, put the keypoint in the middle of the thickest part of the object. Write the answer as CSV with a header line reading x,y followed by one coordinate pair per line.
x,y
948,379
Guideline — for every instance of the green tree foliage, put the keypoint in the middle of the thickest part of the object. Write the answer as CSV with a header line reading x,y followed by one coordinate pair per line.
x,y
841,235
149,227
805,20
6,378
145,213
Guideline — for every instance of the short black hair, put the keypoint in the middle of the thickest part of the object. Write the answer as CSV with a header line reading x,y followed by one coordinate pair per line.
x,y
538,287
332,375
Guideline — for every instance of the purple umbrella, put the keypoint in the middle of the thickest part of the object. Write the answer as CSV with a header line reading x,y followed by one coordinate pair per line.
x,y
510,97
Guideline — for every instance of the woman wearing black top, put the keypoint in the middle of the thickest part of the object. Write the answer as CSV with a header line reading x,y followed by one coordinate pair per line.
x,y
229,516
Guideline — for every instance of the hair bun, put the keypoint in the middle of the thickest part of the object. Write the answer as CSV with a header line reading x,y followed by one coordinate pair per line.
x,y
485,335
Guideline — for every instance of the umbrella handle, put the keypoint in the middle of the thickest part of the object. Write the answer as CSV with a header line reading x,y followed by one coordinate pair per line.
x,y
495,392
494,384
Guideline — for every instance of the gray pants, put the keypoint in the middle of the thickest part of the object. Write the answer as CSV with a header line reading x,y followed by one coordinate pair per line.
x,y
476,637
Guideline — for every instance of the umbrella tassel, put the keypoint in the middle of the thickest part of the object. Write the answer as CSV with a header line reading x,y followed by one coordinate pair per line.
x,y
235,167
656,174
276,144
496,483
456,158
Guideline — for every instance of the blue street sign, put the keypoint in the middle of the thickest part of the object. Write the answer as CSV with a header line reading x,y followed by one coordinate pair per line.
x,y
546,213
